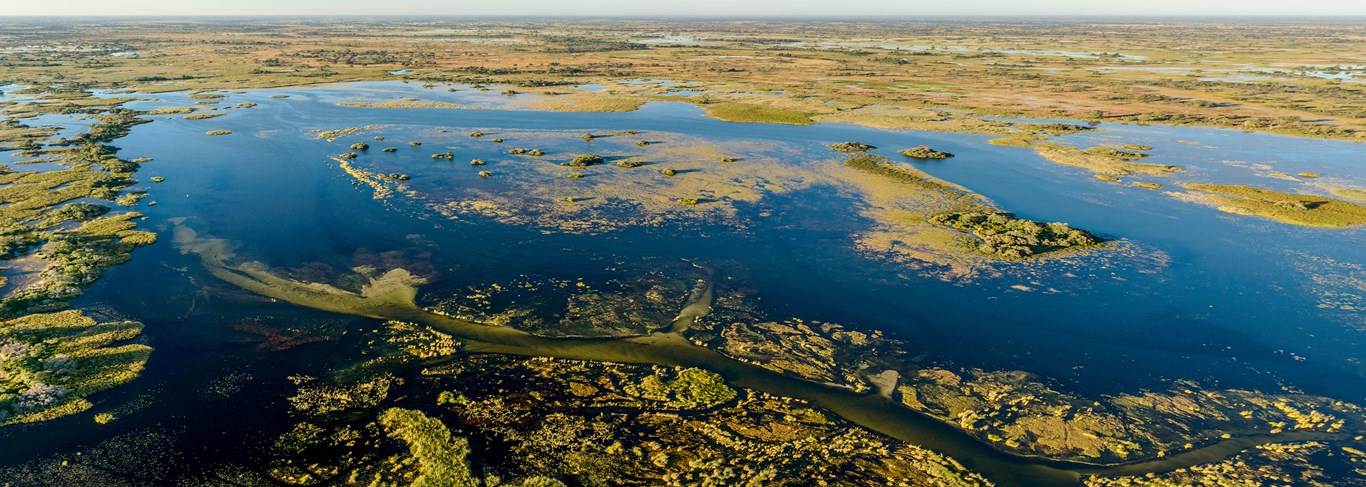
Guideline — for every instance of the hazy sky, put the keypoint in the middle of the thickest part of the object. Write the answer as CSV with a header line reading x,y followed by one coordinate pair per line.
x,y
684,7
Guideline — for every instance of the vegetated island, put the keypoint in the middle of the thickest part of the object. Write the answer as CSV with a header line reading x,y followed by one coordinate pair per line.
x,y
1296,209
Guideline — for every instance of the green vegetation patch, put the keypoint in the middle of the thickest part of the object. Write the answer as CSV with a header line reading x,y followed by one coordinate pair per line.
x,y
1117,154
745,112
851,147
1002,235
1295,209
882,166
925,152
442,459
690,388
51,363
585,160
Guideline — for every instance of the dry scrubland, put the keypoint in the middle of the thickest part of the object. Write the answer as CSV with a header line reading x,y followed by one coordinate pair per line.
x,y
1275,77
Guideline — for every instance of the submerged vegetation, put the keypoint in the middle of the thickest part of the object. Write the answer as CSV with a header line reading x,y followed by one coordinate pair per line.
x,y
1351,194
884,167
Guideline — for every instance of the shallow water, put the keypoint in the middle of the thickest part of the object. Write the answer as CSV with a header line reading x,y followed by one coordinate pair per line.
x,y
1206,296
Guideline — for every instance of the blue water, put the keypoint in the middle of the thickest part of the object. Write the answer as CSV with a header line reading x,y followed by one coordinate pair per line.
x,y
1210,296
1194,294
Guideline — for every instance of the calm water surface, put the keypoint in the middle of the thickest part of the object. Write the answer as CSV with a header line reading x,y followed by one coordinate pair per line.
x,y
1203,295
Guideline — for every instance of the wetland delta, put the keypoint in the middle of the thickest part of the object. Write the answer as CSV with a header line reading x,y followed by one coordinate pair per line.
x,y
408,280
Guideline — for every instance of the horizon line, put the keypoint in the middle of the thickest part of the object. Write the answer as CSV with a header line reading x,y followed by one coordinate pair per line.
x,y
716,16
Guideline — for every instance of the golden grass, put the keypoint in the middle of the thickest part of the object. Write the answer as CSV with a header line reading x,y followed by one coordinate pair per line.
x,y
746,112
1296,209
1100,162
589,102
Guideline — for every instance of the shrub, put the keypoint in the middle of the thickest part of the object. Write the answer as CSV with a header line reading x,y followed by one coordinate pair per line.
x,y
485,174
642,143
360,146
441,459
851,147
588,137
627,163
477,162
390,149
1118,154
1002,235
574,175
476,134
668,172
585,160
925,152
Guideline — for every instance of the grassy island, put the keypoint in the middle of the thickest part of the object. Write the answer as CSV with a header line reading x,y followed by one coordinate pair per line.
x,y
1296,209
925,152
50,364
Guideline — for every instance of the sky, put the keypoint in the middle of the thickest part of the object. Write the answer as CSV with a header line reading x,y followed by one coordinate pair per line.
x,y
730,8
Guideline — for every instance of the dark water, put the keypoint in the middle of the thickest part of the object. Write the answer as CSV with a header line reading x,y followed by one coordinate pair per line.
x,y
1228,300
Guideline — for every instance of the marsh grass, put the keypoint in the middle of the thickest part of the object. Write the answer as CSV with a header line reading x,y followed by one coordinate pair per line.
x,y
1101,160
53,362
1296,209
746,112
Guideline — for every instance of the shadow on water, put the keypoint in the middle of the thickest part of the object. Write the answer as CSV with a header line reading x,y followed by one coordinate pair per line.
x,y
391,297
